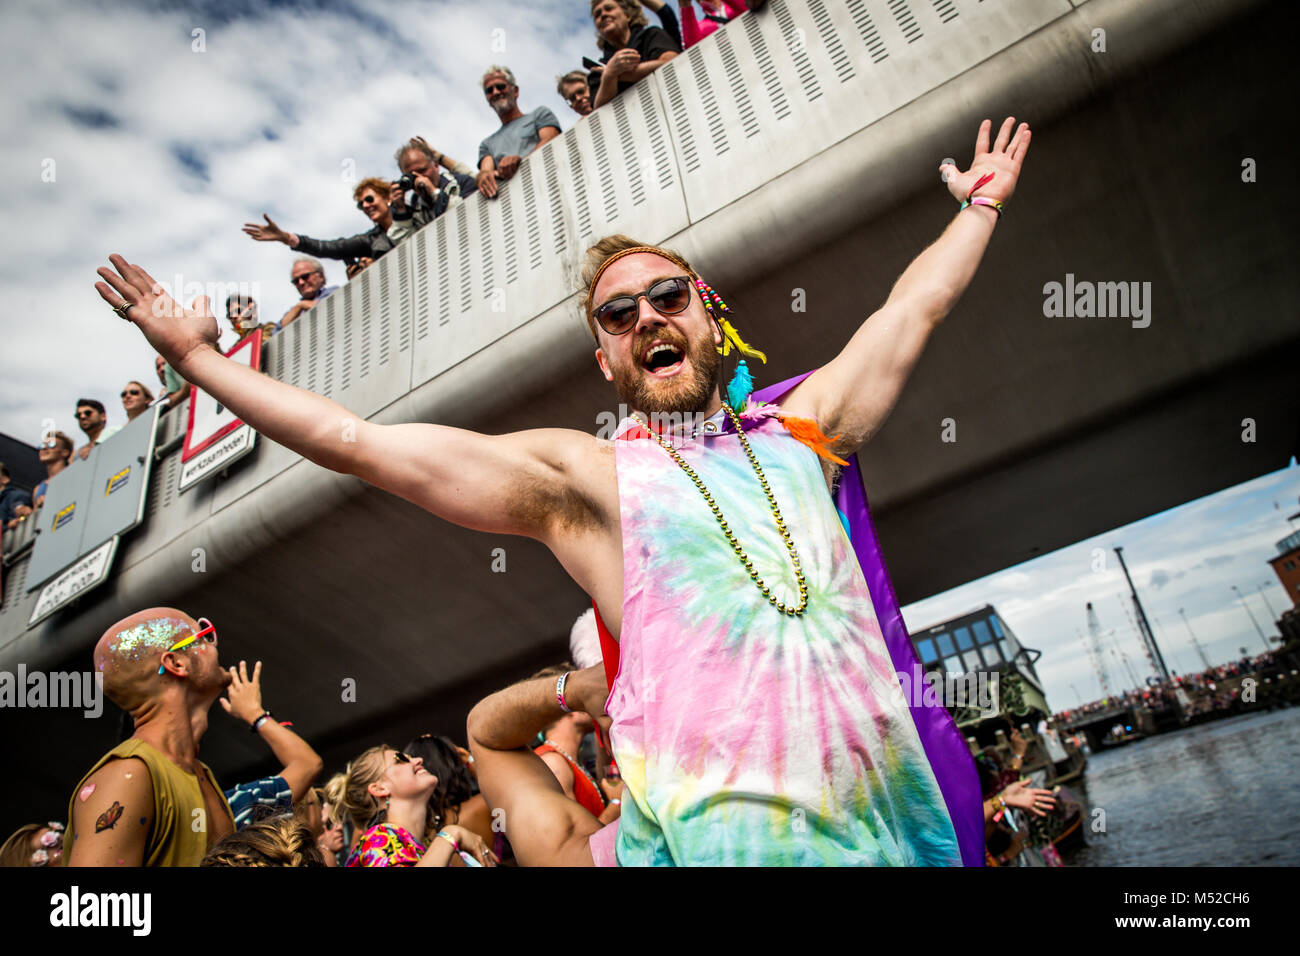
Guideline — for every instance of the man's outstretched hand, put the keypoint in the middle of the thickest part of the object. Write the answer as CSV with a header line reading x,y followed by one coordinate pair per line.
x,y
172,331
1003,161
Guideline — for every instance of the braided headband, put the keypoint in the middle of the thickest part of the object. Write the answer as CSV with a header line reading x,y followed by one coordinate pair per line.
x,y
663,253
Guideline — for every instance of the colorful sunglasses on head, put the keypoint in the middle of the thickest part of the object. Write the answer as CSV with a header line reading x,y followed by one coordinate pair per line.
x,y
206,627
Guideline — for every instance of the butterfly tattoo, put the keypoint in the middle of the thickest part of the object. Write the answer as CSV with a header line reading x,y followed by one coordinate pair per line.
x,y
109,817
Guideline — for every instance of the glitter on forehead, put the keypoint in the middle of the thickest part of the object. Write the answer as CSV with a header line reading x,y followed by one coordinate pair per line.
x,y
148,638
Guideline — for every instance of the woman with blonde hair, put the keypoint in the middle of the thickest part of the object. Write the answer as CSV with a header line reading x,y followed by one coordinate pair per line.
x,y
387,794
136,397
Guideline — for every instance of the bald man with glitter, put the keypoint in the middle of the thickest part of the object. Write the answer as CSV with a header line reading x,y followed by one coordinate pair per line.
x,y
150,801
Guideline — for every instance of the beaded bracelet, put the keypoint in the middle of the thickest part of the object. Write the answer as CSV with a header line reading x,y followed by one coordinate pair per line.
x,y
266,715
559,692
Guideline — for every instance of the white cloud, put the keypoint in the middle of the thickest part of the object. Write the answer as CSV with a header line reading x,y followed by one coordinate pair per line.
x,y
1201,549
327,82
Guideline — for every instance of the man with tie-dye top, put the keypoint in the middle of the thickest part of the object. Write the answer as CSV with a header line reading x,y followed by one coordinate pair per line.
x,y
756,714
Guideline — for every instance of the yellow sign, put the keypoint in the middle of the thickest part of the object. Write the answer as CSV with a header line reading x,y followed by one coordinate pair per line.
x,y
63,517
117,481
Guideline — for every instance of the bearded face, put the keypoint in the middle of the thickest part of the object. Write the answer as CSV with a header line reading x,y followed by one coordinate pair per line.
x,y
666,372
666,363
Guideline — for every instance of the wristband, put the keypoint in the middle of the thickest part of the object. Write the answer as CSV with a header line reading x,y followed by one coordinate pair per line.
x,y
615,802
973,200
448,837
266,715
559,692
993,204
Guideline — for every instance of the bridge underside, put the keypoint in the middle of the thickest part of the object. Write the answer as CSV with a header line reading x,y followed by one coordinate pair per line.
x,y
1065,427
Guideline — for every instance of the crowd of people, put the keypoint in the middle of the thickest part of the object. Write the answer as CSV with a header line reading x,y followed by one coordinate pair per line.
x,y
429,183
729,767
417,806
1202,690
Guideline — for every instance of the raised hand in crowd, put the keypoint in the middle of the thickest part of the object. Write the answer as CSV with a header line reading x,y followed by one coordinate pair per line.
x,y
243,701
270,232
1034,799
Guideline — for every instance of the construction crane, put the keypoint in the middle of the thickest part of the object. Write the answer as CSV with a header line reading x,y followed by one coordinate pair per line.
x,y
1092,642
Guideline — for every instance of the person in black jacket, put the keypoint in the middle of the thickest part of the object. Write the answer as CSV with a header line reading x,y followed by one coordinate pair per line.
x,y
632,48
371,195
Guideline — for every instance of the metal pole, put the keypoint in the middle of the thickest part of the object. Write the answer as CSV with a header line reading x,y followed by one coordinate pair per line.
x,y
1260,589
1258,630
1196,644
1153,649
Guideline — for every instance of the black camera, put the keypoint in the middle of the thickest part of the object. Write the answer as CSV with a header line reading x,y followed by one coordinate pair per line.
x,y
407,182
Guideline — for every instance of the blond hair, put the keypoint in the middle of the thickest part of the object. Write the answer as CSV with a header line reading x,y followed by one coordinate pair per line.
x,y
332,794
143,388
275,841
354,795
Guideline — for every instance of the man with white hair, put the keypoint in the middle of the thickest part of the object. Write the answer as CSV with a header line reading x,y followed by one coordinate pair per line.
x,y
500,154
308,277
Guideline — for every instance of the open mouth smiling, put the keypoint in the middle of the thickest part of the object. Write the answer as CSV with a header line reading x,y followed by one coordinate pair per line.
x,y
663,358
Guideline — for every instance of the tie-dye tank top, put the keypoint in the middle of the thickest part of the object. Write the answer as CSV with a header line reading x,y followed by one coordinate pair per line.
x,y
746,736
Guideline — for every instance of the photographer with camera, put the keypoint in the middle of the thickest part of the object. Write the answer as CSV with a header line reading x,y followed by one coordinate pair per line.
x,y
371,195
433,192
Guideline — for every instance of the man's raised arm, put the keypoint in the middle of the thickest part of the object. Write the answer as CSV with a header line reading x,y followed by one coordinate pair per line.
x,y
521,483
545,827
853,394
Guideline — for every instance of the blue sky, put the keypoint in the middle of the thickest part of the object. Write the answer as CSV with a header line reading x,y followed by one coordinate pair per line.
x,y
1188,557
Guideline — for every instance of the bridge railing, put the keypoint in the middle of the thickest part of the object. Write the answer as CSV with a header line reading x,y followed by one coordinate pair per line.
x,y
735,114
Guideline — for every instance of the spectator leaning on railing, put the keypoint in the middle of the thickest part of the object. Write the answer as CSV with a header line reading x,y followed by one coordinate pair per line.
x,y
632,49
371,195
94,422
15,504
136,397
55,454
500,154
308,277
175,387
573,89
432,191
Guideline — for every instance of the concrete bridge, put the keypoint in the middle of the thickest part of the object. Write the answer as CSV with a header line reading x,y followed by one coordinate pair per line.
x,y
793,157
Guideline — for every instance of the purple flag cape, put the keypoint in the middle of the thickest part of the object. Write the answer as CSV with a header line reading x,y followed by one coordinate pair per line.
x,y
945,747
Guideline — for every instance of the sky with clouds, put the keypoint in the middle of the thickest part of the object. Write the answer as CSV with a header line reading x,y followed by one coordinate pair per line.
x,y
163,142
1188,557
162,150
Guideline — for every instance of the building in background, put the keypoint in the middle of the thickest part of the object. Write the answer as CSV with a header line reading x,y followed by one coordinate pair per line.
x,y
978,641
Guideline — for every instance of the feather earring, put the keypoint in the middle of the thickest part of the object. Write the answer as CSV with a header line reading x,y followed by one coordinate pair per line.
x,y
740,387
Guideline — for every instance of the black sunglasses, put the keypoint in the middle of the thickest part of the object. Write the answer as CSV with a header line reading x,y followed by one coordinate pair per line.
x,y
667,297
132,391
399,757
489,90
367,200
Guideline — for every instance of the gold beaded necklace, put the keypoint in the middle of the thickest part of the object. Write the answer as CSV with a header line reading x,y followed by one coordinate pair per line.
x,y
726,529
